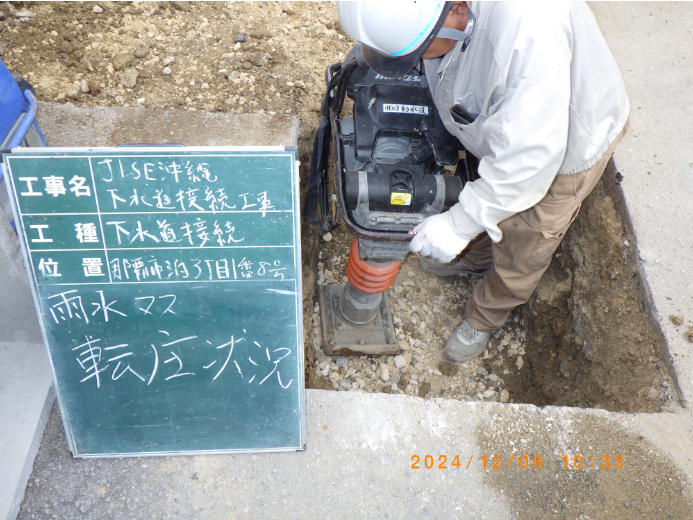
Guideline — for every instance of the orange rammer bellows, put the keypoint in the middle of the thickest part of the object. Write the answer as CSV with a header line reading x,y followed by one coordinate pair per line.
x,y
368,277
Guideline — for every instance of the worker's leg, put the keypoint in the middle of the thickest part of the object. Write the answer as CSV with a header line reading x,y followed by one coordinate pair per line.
x,y
479,253
529,241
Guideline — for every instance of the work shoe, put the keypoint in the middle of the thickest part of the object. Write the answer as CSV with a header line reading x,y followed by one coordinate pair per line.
x,y
465,343
454,268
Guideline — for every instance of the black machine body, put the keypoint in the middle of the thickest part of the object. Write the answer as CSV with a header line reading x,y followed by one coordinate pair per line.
x,y
390,155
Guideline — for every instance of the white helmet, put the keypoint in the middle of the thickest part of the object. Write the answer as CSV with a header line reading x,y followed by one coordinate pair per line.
x,y
395,34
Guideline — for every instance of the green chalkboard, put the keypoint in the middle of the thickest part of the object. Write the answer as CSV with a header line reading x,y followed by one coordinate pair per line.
x,y
168,285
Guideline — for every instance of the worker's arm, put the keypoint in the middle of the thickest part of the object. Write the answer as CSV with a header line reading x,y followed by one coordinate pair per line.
x,y
526,135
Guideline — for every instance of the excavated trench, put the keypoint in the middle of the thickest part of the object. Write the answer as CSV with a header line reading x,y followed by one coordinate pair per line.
x,y
585,339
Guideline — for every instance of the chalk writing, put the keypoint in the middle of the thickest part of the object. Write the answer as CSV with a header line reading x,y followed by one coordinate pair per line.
x,y
193,199
69,305
143,268
253,364
48,268
173,170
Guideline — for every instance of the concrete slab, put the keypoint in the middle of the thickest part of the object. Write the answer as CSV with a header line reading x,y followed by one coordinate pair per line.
x,y
18,320
26,396
26,392
71,125
359,463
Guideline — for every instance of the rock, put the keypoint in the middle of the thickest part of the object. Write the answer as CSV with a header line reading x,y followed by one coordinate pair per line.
x,y
335,376
72,94
327,236
386,389
94,86
345,384
97,9
519,363
489,393
167,71
689,333
182,6
424,389
129,78
676,320
257,58
288,8
260,34
299,84
319,355
399,361
341,362
122,61
402,383
66,47
84,86
141,51
168,60
504,396
241,38
493,377
24,13
384,372
325,371
448,368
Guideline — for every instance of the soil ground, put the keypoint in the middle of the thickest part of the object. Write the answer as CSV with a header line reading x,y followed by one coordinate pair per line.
x,y
585,338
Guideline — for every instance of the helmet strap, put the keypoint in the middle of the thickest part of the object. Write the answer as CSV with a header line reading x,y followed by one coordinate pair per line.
x,y
463,36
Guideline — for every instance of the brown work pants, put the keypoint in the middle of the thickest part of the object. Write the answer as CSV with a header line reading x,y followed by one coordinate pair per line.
x,y
529,241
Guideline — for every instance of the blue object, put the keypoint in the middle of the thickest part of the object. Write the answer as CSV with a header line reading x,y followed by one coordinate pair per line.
x,y
12,101
18,109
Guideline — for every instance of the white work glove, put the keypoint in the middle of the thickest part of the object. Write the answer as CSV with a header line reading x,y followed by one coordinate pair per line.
x,y
436,237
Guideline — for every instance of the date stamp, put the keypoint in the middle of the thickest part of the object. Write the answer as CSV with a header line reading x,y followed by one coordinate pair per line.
x,y
521,461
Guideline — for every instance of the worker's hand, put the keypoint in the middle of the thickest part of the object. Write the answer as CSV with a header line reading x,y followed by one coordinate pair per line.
x,y
436,237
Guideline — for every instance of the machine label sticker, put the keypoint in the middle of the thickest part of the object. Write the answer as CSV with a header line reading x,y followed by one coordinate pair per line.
x,y
400,199
404,109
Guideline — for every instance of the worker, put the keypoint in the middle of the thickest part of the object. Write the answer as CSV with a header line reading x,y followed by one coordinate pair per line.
x,y
533,92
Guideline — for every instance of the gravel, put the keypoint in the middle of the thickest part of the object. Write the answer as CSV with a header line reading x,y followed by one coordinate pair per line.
x,y
426,310
129,78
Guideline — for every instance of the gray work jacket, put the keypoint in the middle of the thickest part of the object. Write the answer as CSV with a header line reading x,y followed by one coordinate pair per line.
x,y
548,99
